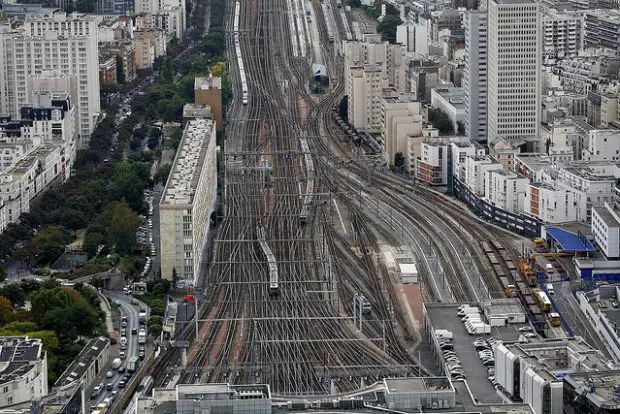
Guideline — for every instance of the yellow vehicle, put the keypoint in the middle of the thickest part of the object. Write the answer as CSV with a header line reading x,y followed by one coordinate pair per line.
x,y
543,300
539,243
554,319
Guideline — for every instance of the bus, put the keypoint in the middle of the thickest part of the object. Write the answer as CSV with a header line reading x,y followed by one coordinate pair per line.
x,y
543,300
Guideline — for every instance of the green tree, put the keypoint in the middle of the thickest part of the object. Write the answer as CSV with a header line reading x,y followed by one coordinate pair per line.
x,y
156,319
354,3
128,184
72,219
49,244
14,293
387,27
85,6
123,226
199,64
167,73
154,330
399,160
441,121
6,311
48,338
120,70
343,108
158,307
460,126
175,277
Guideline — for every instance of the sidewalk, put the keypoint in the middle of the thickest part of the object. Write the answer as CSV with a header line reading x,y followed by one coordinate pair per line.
x,y
105,306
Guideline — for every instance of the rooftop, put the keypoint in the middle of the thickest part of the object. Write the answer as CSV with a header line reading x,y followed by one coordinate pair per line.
x,y
416,384
453,95
25,163
17,355
557,357
607,216
208,82
198,136
80,364
570,242
598,387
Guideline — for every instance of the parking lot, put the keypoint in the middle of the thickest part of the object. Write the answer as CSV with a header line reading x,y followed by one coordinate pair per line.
x,y
445,317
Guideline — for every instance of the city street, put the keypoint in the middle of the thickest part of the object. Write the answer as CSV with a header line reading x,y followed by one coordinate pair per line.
x,y
131,312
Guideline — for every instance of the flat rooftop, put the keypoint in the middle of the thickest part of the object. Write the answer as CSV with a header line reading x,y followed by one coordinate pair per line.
x,y
78,367
208,82
198,138
417,384
598,387
455,96
17,355
607,217
444,316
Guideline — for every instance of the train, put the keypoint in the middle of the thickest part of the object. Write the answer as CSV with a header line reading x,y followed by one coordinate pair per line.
x,y
274,282
242,75
308,199
330,30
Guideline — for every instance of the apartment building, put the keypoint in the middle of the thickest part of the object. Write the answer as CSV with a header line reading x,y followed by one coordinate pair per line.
x,y
476,169
370,66
602,145
532,165
364,101
514,65
208,91
562,34
583,74
414,37
28,177
603,108
593,184
169,19
475,75
606,230
65,43
432,165
602,29
459,151
23,370
549,203
401,116
504,151
188,200
560,134
107,70
505,189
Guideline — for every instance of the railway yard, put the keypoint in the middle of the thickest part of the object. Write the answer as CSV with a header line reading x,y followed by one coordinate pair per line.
x,y
305,218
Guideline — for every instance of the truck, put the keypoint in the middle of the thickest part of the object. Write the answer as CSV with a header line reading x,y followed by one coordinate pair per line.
x,y
142,337
480,329
132,364
116,363
549,268
468,311
443,333
142,316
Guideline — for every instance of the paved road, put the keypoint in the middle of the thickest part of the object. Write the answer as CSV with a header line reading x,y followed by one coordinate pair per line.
x,y
131,311
155,260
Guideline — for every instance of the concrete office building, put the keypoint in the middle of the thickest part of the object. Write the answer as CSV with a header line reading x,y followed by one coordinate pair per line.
x,y
208,91
23,370
401,116
215,398
451,101
514,65
187,202
66,43
588,392
475,75
533,372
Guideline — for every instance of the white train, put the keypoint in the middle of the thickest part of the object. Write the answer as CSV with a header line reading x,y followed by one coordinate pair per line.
x,y
274,284
244,79
308,199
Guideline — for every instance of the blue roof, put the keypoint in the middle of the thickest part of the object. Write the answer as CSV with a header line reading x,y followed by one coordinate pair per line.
x,y
570,242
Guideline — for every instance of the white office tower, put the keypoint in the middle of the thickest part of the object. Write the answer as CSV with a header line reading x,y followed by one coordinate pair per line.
x,y
475,75
414,37
67,44
514,65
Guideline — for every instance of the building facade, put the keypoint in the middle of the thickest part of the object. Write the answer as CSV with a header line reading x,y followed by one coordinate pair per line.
x,y
562,34
23,370
475,75
187,202
550,204
208,91
67,44
514,65
602,29
505,189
